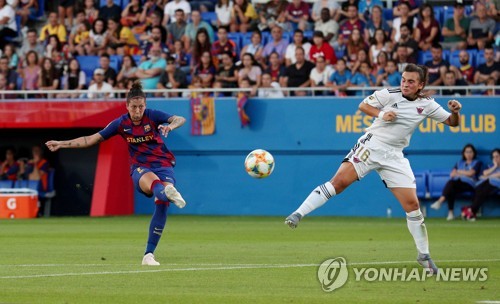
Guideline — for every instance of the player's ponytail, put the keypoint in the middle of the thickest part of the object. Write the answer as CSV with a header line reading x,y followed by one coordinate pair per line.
x,y
135,91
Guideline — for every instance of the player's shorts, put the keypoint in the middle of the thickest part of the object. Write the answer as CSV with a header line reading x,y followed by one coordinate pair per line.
x,y
393,168
165,174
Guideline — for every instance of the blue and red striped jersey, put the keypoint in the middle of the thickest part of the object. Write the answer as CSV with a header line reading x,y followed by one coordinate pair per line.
x,y
145,144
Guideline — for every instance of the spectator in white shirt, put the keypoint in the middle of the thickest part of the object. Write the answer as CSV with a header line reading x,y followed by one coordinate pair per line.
x,y
269,88
171,7
100,89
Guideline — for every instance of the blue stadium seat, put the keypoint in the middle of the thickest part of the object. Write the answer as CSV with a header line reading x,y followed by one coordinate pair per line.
x,y
103,2
124,3
137,59
388,14
421,182
339,53
423,57
307,35
88,64
6,184
41,10
447,14
437,180
480,58
439,14
19,82
116,62
266,37
209,17
288,36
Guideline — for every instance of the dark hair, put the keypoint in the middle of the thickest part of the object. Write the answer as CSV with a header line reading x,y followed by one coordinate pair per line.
x,y
134,64
32,30
421,70
407,25
36,56
105,55
422,8
135,91
104,26
472,148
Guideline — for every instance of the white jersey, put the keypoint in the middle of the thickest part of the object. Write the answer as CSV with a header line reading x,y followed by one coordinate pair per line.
x,y
409,116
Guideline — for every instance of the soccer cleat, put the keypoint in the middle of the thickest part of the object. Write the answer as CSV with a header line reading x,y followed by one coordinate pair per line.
x,y
149,260
450,216
426,262
293,220
174,196
436,205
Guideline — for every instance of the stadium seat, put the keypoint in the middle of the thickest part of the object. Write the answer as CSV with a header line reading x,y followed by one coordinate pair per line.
x,y
480,58
439,14
447,14
437,180
116,62
88,64
307,35
6,184
41,10
103,2
209,17
340,53
288,36
124,3
421,182
423,57
236,37
137,59
388,14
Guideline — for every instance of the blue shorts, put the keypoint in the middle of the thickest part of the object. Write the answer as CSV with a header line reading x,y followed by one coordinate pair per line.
x,y
165,174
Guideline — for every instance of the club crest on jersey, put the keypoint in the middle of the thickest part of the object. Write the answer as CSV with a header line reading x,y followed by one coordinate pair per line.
x,y
147,128
420,110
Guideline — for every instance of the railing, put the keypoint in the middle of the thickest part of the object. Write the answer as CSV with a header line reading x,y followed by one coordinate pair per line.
x,y
314,91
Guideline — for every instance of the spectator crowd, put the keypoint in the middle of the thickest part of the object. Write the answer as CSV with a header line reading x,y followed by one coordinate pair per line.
x,y
235,44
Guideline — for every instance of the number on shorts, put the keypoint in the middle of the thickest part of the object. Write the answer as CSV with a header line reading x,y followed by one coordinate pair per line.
x,y
363,156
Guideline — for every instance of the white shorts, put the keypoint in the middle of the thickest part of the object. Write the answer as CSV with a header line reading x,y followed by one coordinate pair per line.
x,y
393,168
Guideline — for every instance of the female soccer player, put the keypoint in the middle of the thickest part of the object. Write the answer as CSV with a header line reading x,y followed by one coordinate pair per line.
x,y
398,113
151,162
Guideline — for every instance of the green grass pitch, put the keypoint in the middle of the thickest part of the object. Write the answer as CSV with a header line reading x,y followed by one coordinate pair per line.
x,y
208,259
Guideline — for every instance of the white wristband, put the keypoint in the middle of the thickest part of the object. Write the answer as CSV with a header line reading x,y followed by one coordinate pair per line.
x,y
381,115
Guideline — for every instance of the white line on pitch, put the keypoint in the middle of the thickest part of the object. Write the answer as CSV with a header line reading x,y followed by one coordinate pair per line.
x,y
488,302
233,267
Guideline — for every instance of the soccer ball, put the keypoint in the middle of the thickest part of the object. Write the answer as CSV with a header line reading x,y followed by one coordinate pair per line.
x,y
259,163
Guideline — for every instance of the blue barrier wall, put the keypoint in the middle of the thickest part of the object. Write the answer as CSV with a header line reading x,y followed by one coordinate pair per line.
x,y
308,138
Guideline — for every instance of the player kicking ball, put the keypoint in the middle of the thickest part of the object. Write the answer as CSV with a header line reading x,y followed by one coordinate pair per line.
x,y
398,113
151,161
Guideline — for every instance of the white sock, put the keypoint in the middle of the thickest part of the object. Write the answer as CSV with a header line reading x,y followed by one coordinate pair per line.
x,y
317,198
416,225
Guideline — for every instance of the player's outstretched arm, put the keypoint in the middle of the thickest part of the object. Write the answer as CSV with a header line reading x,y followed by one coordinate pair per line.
x,y
454,106
80,142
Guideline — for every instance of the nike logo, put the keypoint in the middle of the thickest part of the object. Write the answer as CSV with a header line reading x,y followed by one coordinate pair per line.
x,y
126,130
158,229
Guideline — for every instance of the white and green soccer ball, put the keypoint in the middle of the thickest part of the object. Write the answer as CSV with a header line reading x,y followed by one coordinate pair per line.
x,y
259,163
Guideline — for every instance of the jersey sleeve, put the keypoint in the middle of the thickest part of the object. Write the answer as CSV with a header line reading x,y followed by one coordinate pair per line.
x,y
111,129
436,112
159,117
378,99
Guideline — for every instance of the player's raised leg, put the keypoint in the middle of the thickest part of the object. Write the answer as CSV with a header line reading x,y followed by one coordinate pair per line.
x,y
407,197
345,176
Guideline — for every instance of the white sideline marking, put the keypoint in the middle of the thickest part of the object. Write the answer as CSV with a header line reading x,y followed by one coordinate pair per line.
x,y
489,302
227,267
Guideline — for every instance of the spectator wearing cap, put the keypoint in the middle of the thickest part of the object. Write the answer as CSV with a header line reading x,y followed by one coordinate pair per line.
x,y
149,71
172,78
456,28
481,29
100,89
323,49
328,26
